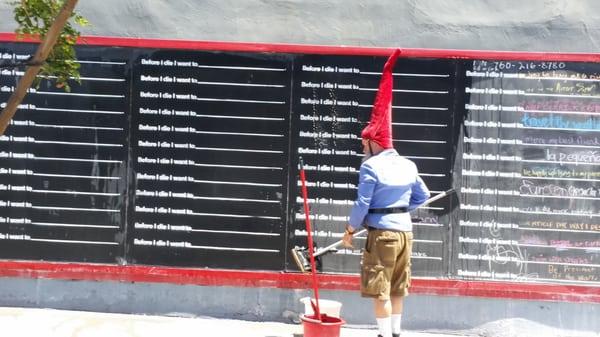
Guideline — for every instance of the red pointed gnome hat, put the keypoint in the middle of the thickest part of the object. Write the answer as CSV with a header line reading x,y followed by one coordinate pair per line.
x,y
379,128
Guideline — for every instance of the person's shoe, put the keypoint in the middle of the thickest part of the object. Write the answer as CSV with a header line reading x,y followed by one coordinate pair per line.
x,y
395,335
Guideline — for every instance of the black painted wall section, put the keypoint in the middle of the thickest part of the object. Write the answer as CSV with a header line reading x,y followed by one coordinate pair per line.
x,y
190,158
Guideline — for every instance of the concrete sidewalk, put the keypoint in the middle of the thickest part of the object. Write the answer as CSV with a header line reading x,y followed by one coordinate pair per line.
x,y
62,323
28,322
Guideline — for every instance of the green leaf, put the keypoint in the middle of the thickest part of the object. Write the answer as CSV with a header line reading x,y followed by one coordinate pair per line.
x,y
35,17
80,20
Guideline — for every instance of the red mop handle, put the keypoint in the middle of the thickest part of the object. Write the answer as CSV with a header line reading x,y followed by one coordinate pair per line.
x,y
310,241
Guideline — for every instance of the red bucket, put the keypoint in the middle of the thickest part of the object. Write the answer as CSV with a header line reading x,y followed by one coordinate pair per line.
x,y
327,327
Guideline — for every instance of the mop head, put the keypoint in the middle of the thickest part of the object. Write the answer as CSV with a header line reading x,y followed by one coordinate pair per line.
x,y
300,256
302,259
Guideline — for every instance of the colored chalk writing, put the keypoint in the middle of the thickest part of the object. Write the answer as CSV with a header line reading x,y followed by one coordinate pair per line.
x,y
535,216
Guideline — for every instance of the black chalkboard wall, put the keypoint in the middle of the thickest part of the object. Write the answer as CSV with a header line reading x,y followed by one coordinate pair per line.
x,y
190,158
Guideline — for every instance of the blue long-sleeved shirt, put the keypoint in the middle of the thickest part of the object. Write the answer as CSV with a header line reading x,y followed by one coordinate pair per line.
x,y
387,180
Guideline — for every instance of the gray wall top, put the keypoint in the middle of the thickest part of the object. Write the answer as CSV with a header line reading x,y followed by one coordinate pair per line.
x,y
512,25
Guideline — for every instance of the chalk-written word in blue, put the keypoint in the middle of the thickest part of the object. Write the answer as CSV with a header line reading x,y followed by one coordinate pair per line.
x,y
560,122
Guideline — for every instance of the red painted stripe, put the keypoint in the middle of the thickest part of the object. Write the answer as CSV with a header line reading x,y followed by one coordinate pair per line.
x,y
264,279
328,50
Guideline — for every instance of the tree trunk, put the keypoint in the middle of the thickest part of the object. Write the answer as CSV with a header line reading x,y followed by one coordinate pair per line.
x,y
38,59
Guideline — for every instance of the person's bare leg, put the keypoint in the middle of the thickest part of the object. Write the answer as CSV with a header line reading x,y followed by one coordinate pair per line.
x,y
383,308
383,313
397,306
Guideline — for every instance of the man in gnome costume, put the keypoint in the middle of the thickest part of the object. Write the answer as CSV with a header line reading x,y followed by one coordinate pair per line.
x,y
389,187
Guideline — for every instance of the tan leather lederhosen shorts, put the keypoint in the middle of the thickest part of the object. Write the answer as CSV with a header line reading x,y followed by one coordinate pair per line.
x,y
385,264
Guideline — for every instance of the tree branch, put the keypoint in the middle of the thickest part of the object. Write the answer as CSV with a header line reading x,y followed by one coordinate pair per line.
x,y
38,59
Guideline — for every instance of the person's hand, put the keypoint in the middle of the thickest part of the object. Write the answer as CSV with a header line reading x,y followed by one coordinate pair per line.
x,y
347,239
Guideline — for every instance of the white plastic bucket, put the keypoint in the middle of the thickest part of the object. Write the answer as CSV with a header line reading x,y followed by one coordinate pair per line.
x,y
328,307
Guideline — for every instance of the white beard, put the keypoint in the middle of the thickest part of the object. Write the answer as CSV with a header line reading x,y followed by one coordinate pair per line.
x,y
366,157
